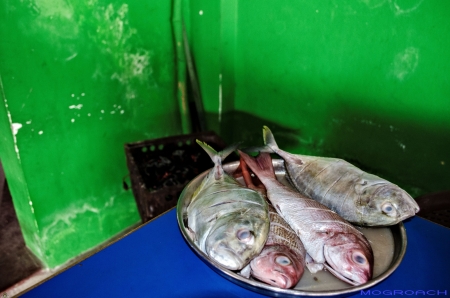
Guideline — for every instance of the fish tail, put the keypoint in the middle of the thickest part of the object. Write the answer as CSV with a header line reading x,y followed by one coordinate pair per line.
x,y
261,165
218,157
210,150
228,150
269,140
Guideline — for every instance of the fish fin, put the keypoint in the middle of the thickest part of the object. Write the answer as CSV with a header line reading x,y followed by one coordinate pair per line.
x,y
312,266
246,271
217,157
269,139
228,150
261,165
208,149
251,182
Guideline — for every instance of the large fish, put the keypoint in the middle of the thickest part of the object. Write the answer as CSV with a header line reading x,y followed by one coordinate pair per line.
x,y
226,220
281,262
329,240
359,197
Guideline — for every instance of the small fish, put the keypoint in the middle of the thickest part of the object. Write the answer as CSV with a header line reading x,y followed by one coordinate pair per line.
x,y
359,197
226,220
281,262
329,240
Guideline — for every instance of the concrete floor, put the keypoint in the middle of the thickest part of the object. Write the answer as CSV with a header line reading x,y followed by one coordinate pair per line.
x,y
16,261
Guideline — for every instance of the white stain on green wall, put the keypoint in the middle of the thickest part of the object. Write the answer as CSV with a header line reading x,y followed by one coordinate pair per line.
x,y
398,7
401,7
108,29
115,38
405,63
62,222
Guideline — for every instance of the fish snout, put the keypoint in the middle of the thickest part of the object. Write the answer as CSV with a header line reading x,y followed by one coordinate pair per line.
x,y
349,262
277,268
225,256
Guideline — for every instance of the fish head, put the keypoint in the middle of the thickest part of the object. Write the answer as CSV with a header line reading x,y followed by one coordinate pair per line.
x,y
349,258
236,238
278,266
384,203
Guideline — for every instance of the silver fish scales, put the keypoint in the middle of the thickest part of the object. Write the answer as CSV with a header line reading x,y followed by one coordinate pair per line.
x,y
357,196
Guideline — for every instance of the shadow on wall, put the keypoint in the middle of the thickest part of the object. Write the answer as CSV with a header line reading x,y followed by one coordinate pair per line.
x,y
244,127
412,156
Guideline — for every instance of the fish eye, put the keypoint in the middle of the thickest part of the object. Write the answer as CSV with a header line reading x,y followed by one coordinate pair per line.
x,y
244,235
359,258
388,208
283,260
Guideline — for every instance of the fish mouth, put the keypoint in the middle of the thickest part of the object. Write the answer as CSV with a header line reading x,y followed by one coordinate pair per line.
x,y
226,257
281,280
341,277
355,276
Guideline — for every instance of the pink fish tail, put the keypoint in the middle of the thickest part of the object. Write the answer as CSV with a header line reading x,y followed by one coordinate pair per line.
x,y
261,165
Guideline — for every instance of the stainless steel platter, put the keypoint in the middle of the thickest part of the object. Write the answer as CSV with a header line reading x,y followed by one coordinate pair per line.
x,y
388,244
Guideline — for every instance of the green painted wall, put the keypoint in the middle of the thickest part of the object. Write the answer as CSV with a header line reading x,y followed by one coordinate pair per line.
x,y
81,79
364,80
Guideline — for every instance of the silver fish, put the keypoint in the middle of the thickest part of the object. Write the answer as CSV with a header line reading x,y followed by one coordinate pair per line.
x,y
281,262
329,240
226,220
359,197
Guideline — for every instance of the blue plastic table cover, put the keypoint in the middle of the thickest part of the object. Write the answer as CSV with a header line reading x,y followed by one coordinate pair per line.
x,y
156,261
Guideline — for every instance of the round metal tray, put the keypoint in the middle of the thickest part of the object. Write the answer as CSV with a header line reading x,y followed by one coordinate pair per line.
x,y
397,249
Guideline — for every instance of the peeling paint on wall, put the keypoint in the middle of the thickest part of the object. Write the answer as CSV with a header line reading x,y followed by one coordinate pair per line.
x,y
16,127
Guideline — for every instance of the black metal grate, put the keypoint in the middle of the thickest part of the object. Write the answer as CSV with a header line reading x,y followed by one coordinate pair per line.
x,y
161,168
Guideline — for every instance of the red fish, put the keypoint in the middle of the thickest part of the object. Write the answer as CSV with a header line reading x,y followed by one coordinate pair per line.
x,y
282,260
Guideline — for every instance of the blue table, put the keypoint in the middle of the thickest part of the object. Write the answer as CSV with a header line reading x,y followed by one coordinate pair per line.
x,y
155,261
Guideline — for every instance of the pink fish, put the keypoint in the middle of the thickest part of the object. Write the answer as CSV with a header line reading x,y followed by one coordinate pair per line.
x,y
282,260
329,240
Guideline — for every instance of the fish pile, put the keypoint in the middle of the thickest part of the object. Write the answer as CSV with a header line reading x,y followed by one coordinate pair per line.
x,y
271,231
